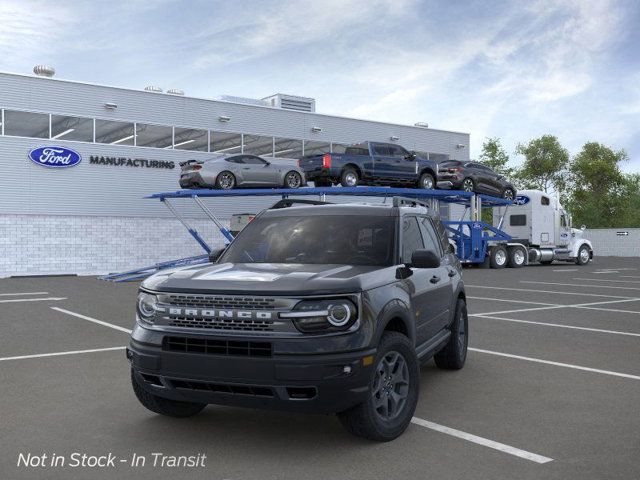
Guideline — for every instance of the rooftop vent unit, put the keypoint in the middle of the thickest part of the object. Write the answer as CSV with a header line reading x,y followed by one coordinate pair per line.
x,y
243,100
422,124
291,102
153,88
44,71
175,91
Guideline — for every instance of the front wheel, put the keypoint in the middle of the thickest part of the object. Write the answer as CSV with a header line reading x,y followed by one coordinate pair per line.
x,y
427,182
164,406
454,354
508,194
583,255
292,180
393,392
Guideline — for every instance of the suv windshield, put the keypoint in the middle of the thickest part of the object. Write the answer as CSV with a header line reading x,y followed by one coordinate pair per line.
x,y
322,239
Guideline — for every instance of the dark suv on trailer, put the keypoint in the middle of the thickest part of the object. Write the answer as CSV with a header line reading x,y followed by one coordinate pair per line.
x,y
314,308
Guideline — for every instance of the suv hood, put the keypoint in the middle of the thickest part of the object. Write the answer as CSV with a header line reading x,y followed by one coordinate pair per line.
x,y
272,279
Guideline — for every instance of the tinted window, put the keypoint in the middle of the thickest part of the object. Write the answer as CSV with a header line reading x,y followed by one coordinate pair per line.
x,y
250,159
442,233
431,241
238,159
381,150
518,220
357,151
321,239
411,238
397,151
544,200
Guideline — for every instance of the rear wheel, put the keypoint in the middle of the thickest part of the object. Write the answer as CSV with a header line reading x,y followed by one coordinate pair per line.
x,y
394,388
164,406
508,194
427,182
517,257
468,185
292,180
225,180
498,257
584,255
349,178
454,354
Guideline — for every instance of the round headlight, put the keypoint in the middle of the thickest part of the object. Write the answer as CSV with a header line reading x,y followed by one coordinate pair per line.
x,y
339,314
146,306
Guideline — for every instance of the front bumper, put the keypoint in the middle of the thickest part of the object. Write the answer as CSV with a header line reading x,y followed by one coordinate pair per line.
x,y
312,383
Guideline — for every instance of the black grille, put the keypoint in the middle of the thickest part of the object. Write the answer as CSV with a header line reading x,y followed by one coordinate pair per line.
x,y
212,301
217,347
221,323
252,390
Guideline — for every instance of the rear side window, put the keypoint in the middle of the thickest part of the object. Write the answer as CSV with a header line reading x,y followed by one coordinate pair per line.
x,y
381,150
431,241
544,200
411,238
442,234
517,220
235,159
356,151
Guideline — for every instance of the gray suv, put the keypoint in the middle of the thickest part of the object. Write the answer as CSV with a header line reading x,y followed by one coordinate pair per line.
x,y
312,308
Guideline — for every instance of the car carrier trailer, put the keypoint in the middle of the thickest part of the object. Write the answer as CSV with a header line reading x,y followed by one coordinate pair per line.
x,y
475,242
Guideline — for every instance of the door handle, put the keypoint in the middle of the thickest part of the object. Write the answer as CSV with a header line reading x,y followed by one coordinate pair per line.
x,y
452,273
246,168
434,279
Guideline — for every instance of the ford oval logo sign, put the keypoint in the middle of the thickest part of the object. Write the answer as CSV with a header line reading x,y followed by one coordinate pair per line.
x,y
55,157
521,200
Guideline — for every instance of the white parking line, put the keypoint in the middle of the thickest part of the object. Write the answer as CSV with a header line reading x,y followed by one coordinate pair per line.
x,y
519,310
527,290
576,285
47,299
604,280
559,325
512,301
566,270
485,442
94,320
57,354
556,364
629,276
22,293
552,306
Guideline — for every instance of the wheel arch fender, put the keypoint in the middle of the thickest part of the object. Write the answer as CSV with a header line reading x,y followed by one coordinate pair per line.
x,y
395,316
353,166
579,243
428,169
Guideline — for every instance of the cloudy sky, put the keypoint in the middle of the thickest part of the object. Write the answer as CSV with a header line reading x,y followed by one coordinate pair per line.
x,y
515,70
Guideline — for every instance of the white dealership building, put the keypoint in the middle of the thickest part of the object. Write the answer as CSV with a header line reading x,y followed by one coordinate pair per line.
x,y
91,217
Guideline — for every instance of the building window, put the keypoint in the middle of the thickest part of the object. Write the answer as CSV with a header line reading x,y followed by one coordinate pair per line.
x,y
26,124
114,133
287,148
190,139
258,145
157,136
225,143
72,128
316,148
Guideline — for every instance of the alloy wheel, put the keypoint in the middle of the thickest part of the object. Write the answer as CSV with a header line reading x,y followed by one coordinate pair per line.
x,y
390,386
467,185
226,181
351,179
427,182
293,180
508,194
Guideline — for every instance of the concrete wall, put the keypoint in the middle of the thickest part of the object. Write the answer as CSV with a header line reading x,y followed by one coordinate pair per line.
x,y
613,242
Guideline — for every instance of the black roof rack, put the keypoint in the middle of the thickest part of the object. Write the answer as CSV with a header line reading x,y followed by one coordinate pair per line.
x,y
409,202
290,202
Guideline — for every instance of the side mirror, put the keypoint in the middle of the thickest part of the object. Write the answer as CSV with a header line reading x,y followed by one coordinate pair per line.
x,y
410,156
214,255
425,259
583,227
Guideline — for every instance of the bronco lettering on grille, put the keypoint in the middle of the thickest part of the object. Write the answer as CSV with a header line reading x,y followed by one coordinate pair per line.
x,y
211,313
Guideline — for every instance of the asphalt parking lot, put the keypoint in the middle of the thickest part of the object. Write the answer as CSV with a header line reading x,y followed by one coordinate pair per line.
x,y
551,390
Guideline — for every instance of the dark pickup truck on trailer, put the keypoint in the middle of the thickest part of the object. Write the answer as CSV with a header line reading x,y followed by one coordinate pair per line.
x,y
317,308
371,163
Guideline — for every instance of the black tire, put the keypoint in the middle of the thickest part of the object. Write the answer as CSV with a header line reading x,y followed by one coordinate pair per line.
x,y
546,262
508,194
427,182
322,183
225,180
498,257
164,406
584,255
292,180
366,420
349,177
517,257
468,185
454,354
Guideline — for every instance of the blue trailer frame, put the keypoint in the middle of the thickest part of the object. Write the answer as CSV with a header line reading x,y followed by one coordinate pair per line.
x,y
472,237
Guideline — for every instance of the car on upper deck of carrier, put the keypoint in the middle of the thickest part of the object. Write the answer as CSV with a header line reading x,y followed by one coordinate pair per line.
x,y
314,308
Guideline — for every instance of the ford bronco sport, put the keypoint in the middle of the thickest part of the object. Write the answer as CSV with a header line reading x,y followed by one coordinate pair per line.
x,y
312,308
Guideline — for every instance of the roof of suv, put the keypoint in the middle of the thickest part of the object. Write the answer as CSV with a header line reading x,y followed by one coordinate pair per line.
x,y
382,210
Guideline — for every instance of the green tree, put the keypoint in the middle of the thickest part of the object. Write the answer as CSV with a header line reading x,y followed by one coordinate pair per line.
x,y
631,191
495,157
545,164
599,192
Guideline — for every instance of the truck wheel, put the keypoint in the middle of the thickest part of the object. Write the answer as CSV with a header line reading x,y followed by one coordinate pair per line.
x,y
164,406
498,257
349,178
225,180
427,182
393,395
517,257
583,255
454,354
